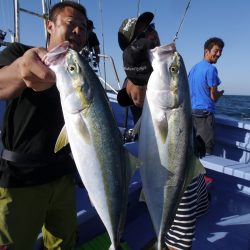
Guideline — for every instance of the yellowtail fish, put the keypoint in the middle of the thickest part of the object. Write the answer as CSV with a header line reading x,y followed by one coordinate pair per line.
x,y
168,163
95,139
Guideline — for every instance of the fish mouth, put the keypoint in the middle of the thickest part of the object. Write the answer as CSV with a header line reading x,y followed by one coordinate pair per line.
x,y
168,47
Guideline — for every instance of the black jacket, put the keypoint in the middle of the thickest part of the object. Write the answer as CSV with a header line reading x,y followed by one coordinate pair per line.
x,y
136,61
137,67
32,123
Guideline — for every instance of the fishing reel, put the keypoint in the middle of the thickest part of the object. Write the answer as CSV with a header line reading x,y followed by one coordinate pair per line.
x,y
128,136
2,37
90,57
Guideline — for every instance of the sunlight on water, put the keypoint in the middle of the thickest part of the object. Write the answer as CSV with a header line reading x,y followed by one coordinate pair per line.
x,y
236,106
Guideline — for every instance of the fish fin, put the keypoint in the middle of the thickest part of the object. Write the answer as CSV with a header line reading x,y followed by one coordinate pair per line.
x,y
196,169
90,201
132,163
83,129
116,248
136,129
142,196
62,140
112,247
162,128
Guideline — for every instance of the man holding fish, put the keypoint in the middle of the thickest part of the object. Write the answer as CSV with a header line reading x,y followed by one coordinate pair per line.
x,y
36,185
172,176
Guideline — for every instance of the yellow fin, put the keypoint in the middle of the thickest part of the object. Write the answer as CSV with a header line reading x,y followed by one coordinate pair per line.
x,y
62,140
162,128
132,163
83,129
196,169
136,129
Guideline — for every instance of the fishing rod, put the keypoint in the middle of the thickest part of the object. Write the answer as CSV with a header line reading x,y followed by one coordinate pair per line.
x,y
182,20
103,47
138,7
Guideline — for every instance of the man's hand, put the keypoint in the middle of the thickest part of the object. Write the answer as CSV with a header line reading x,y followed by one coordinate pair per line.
x,y
220,93
34,72
136,93
215,94
26,71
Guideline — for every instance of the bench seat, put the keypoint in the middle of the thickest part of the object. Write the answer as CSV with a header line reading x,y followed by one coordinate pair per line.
x,y
226,166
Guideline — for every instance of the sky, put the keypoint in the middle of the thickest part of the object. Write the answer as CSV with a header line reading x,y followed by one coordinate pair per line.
x,y
227,19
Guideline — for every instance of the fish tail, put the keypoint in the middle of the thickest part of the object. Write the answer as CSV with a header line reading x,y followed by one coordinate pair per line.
x,y
118,247
112,247
159,245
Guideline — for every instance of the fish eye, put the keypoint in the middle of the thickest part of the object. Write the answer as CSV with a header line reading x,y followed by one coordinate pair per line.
x,y
72,68
173,69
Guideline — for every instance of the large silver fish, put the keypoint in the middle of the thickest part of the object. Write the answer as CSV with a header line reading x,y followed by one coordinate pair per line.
x,y
95,139
168,163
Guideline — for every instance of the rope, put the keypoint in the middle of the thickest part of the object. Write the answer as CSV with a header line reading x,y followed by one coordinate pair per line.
x,y
181,23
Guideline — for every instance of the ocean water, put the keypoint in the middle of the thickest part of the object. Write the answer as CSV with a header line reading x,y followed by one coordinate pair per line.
x,y
236,106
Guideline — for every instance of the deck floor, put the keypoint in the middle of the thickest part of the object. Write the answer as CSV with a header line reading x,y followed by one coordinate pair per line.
x,y
227,223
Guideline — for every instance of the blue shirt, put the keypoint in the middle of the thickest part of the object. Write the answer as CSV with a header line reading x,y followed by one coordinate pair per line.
x,y
201,77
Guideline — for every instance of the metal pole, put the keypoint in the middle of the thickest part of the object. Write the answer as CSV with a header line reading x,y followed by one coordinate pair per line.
x,y
45,12
31,12
16,17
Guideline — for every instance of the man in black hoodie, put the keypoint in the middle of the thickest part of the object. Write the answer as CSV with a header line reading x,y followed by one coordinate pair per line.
x,y
136,37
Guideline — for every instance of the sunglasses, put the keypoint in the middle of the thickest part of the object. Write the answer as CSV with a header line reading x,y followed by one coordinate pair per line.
x,y
150,28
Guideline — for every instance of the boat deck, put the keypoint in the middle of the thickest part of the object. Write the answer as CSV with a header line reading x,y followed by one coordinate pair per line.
x,y
226,225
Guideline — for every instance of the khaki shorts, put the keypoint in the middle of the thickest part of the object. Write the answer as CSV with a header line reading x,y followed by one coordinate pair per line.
x,y
50,207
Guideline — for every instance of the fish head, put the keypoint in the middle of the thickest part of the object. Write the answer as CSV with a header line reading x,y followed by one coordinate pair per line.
x,y
168,84
79,74
72,79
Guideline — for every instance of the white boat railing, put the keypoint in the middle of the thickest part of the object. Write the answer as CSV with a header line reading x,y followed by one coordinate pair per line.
x,y
92,62
113,65
105,85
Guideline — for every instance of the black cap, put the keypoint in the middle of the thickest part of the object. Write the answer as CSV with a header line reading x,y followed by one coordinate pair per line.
x,y
90,24
127,29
